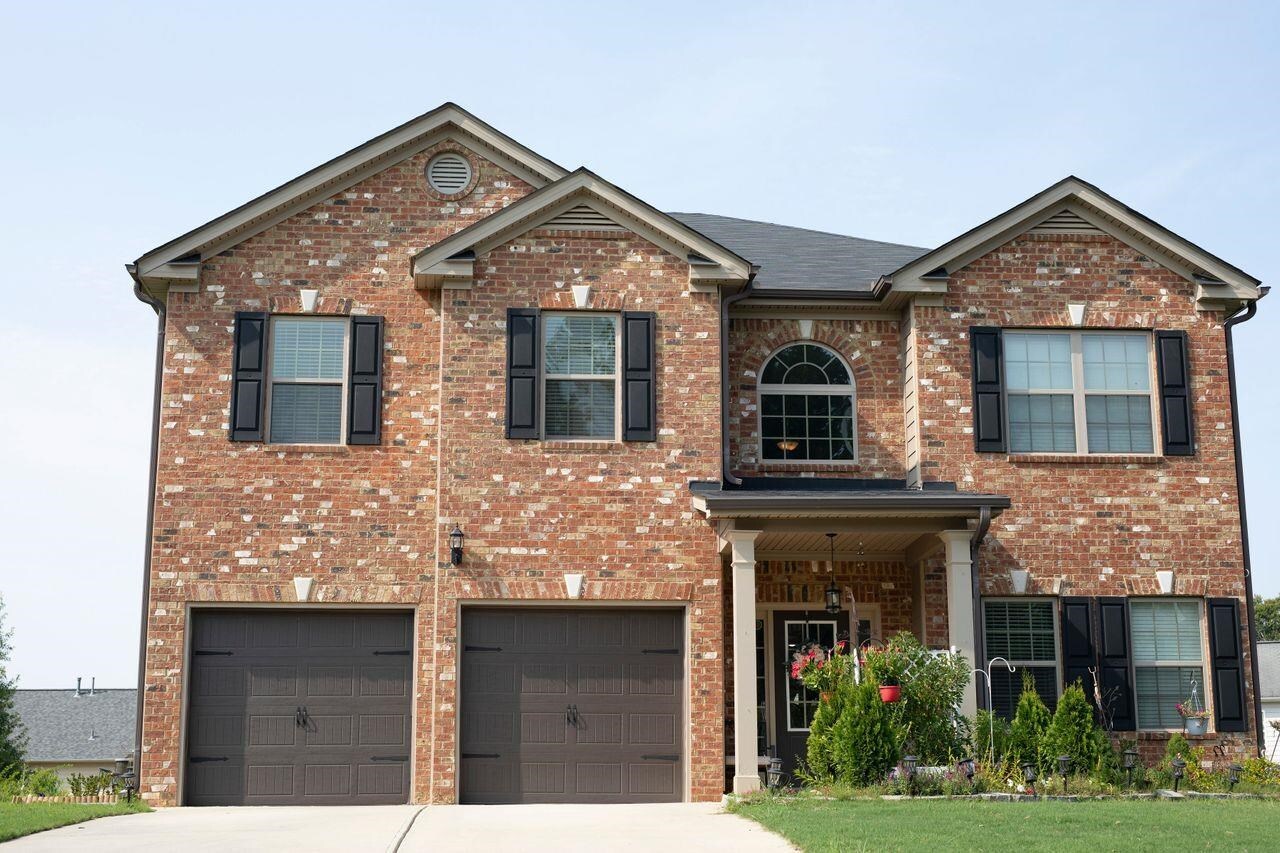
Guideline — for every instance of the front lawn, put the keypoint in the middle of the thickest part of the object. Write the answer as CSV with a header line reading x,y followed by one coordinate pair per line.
x,y
1093,826
19,819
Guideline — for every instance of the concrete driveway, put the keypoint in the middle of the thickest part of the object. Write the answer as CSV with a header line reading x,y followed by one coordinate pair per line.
x,y
415,829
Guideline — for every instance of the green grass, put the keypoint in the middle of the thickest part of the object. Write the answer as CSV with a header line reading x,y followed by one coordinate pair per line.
x,y
19,819
1093,826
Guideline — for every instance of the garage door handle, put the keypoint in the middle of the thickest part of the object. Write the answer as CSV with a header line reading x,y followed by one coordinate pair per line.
x,y
201,759
481,755
660,652
388,758
660,758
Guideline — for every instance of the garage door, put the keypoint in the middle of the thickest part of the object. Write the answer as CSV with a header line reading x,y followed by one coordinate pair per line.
x,y
580,706
299,708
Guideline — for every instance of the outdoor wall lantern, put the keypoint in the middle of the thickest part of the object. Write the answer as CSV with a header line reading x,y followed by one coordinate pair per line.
x,y
967,768
1178,767
1029,776
1064,767
1130,763
1233,776
832,593
773,775
455,545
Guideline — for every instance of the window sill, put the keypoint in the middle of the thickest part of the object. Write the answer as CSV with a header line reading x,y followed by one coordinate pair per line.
x,y
585,444
1086,458
315,449
1165,734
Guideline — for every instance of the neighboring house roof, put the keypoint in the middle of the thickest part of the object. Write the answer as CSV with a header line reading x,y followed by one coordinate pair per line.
x,y
62,726
1269,670
799,259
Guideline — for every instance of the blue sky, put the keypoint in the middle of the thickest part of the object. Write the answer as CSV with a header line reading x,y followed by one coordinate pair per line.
x,y
125,124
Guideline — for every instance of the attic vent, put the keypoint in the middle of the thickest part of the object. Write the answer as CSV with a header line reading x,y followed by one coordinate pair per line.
x,y
1066,222
583,218
448,173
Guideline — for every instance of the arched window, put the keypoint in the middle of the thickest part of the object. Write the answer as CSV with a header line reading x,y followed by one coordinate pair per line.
x,y
806,406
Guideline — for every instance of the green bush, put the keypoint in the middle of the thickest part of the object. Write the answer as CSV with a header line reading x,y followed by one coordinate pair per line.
x,y
991,737
1074,732
23,781
1260,771
820,759
864,742
932,687
90,785
1030,722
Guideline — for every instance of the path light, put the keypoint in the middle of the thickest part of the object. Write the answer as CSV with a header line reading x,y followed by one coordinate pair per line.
x,y
1130,762
455,545
1178,766
909,763
967,768
773,775
1233,776
1029,775
1064,767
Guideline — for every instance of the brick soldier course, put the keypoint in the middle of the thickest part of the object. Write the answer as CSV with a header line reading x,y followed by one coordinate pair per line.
x,y
646,521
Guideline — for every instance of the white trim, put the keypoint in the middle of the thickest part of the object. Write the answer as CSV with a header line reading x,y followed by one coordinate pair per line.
x,y
763,388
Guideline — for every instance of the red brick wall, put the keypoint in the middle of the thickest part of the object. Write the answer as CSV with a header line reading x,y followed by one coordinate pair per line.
x,y
869,347
1101,526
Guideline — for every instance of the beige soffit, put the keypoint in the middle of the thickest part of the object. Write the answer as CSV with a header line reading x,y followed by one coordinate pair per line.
x,y
450,262
156,268
1218,283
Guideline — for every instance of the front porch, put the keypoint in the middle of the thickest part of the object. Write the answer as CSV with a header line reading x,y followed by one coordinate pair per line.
x,y
900,560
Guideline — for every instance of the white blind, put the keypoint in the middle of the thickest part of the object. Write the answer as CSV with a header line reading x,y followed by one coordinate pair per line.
x,y
577,348
581,346
306,414
1116,363
1165,630
307,348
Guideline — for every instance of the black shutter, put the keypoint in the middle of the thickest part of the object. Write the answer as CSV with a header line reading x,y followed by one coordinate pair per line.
x,y
639,377
1174,373
988,389
1114,674
249,375
1078,652
524,356
364,403
1227,660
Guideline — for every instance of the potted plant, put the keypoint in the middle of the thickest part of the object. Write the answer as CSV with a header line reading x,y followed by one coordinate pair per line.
x,y
821,669
890,689
1195,720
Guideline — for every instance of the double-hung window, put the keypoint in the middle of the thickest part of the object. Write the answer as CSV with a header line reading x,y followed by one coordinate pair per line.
x,y
307,380
1023,632
1079,392
580,376
1168,659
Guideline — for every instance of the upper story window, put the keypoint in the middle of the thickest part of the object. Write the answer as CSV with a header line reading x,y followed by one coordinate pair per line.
x,y
1079,392
806,406
580,376
307,380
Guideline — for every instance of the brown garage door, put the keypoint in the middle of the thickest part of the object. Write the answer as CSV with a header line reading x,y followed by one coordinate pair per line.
x,y
572,706
299,708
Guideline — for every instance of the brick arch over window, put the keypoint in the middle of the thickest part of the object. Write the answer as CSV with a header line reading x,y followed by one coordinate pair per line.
x,y
807,405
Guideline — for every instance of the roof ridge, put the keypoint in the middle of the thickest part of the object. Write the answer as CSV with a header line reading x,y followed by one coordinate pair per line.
x,y
797,228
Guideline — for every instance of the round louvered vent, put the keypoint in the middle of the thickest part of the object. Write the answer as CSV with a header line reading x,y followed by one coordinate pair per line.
x,y
448,173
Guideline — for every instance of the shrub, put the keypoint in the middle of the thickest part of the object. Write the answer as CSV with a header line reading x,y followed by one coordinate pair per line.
x,y
1030,722
820,760
991,736
23,781
1073,732
864,743
90,785
932,687
1260,771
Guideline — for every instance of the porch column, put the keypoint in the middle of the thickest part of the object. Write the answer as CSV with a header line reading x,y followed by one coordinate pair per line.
x,y
960,625
746,775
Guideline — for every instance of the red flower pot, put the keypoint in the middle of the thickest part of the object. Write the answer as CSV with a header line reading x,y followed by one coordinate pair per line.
x,y
890,693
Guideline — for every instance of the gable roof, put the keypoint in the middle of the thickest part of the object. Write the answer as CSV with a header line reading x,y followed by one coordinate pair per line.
x,y
62,726
178,259
451,259
1216,280
800,259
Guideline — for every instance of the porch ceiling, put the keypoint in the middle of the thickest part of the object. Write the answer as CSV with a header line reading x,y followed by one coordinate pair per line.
x,y
849,545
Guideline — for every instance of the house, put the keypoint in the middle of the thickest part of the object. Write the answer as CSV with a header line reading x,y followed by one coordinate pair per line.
x,y
1269,695
77,731
478,479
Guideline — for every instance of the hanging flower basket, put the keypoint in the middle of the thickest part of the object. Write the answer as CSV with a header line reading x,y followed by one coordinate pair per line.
x,y
1195,725
890,693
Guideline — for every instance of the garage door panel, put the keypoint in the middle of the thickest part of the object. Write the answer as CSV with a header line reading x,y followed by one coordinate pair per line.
x,y
657,678
651,729
274,631
599,728
327,730
542,728
543,631
489,728
652,630
231,632
603,631
272,730
543,677
270,780
330,680
384,779
383,730
656,779
209,730
273,681
382,680
228,681
489,628
601,677
336,632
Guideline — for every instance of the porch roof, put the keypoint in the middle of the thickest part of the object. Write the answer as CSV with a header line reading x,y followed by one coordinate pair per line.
x,y
814,497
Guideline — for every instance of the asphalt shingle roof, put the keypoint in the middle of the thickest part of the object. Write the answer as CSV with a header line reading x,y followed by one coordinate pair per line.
x,y
800,259
64,727
1269,670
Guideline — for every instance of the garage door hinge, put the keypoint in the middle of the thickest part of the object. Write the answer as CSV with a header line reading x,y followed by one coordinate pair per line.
x,y
212,652
660,651
388,758
201,759
395,652
481,755
482,648
660,757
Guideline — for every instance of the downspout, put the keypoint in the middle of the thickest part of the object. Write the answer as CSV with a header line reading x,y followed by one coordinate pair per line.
x,y
725,472
159,307
1250,308
975,545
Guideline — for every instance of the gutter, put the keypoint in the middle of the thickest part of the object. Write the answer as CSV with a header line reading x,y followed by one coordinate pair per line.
x,y
1250,309
725,304
159,307
975,546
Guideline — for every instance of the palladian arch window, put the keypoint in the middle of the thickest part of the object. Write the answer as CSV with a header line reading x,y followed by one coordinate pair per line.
x,y
806,406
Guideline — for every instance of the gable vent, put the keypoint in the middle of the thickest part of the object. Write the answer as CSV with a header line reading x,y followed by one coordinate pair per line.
x,y
448,173
1066,222
582,218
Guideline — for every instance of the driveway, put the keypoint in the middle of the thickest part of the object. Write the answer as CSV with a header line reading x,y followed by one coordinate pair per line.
x,y
415,829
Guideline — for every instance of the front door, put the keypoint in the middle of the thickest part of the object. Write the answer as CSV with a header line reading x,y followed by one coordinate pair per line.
x,y
794,704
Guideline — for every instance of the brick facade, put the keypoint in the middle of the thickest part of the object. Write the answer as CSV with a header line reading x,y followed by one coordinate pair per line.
x,y
236,522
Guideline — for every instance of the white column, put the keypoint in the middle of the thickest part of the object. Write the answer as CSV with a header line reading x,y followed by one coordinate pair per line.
x,y
960,607
746,774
